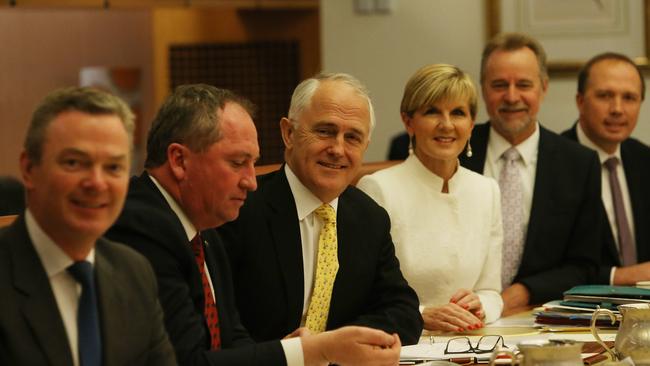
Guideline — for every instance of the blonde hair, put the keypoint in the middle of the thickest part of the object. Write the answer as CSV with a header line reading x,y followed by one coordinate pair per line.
x,y
435,83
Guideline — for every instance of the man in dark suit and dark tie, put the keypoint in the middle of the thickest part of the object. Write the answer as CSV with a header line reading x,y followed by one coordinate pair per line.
x,y
610,91
201,152
550,187
69,296
287,259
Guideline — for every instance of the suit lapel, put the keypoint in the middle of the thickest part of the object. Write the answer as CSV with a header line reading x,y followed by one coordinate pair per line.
x,y
111,306
285,232
633,178
39,307
350,248
543,188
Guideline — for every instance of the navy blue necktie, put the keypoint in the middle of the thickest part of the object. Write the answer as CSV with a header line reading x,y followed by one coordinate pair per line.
x,y
89,339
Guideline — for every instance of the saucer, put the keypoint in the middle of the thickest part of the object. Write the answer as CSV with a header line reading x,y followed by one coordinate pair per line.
x,y
643,284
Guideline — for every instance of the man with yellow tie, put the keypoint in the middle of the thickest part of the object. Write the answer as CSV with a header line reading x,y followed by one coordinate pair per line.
x,y
201,152
308,249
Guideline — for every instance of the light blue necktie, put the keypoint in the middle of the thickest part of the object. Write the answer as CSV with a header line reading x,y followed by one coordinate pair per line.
x,y
89,338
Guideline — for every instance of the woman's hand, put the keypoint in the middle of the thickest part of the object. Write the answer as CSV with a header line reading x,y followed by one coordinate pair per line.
x,y
450,318
468,300
464,312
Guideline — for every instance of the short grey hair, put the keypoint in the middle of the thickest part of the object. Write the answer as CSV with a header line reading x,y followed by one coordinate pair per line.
x,y
87,100
304,92
189,116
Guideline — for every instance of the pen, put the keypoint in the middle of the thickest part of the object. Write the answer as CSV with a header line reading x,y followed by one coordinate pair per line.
x,y
463,360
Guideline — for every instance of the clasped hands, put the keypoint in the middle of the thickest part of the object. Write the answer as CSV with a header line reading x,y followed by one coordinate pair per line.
x,y
463,312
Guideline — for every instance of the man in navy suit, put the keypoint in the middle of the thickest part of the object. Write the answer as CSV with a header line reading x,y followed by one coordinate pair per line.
x,y
201,152
75,168
550,225
274,244
611,89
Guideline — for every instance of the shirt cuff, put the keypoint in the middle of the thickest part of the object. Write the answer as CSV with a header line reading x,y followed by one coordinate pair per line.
x,y
292,348
611,276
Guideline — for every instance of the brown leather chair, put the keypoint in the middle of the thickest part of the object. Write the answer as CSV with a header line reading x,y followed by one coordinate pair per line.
x,y
7,220
366,168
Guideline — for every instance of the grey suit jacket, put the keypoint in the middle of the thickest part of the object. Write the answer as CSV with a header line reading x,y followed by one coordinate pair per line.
x,y
31,327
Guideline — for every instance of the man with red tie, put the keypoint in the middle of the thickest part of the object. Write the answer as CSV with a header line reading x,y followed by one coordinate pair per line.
x,y
201,152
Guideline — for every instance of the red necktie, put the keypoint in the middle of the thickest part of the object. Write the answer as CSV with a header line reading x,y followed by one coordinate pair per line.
x,y
210,308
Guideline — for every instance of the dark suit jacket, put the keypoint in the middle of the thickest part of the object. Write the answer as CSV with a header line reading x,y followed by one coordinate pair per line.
x,y
31,327
636,162
265,250
562,241
399,147
149,225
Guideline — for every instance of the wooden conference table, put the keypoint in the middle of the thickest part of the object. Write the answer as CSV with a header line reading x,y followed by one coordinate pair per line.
x,y
517,326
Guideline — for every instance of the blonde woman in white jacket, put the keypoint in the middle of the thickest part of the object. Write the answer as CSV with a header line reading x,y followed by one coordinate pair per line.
x,y
446,220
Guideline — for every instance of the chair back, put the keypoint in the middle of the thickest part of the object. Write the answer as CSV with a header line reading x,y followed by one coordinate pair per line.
x,y
7,220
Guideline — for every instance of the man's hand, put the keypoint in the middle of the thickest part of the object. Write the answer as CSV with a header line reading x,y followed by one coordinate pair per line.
x,y
352,345
450,318
514,297
630,275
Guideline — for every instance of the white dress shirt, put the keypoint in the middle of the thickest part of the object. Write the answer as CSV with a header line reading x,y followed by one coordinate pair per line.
x,y
444,241
65,288
292,347
606,189
310,226
527,165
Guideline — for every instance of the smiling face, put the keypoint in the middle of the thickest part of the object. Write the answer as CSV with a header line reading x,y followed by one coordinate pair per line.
x,y
610,105
325,147
513,91
215,182
77,189
441,132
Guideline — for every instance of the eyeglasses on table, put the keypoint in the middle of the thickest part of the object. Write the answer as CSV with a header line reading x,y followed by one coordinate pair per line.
x,y
485,344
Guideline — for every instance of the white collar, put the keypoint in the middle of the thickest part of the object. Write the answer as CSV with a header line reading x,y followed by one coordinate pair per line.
x,y
528,148
602,154
190,229
306,201
53,258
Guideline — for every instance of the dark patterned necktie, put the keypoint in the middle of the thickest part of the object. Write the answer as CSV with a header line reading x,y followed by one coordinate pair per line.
x,y
209,307
626,244
88,336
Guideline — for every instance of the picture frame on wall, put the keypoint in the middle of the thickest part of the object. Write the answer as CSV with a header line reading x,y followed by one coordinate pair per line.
x,y
574,31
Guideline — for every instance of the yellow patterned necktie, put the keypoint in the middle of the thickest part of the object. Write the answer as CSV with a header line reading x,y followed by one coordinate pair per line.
x,y
327,265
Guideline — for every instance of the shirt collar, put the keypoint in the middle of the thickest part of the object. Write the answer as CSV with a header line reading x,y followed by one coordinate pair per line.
x,y
54,259
602,154
528,148
190,229
435,181
306,202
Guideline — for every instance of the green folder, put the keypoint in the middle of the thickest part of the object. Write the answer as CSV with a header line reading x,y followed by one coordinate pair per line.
x,y
607,294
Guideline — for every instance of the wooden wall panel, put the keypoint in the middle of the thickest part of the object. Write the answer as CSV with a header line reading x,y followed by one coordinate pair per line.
x,y
44,49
